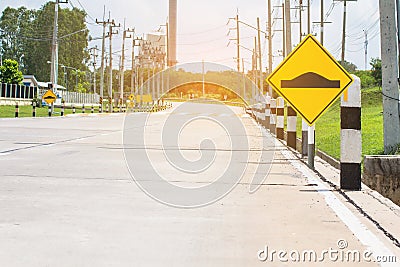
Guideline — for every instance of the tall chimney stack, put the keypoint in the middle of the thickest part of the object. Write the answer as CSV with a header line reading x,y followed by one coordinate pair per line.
x,y
172,32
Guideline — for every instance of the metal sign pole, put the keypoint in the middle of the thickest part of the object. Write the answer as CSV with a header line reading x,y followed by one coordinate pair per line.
x,y
311,146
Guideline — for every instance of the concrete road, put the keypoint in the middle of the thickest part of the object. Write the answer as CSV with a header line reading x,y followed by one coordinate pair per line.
x,y
67,199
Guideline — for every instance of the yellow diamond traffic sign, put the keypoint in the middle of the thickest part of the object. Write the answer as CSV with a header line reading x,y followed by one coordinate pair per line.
x,y
131,97
49,97
310,79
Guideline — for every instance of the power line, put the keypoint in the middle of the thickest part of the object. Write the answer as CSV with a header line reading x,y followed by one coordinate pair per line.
x,y
79,2
202,32
203,42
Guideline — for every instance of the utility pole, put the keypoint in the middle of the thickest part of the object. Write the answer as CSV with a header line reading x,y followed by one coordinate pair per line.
x,y
344,28
244,80
167,50
322,23
134,75
54,50
172,32
103,49
119,79
254,69
54,47
260,55
308,17
237,43
390,86
269,29
110,34
133,70
366,49
283,32
344,32
122,69
255,62
94,54
398,32
288,28
282,7
300,20
237,40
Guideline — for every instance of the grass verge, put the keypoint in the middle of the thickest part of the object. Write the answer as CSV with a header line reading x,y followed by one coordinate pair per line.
x,y
328,126
26,111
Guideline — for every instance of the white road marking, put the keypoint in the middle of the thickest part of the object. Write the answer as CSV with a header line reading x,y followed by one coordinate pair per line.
x,y
366,237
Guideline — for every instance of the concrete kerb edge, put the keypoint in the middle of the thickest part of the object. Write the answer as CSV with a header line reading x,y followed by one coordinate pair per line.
x,y
374,194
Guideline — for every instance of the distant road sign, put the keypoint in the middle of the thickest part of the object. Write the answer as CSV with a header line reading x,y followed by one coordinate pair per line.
x,y
49,97
100,100
310,79
131,97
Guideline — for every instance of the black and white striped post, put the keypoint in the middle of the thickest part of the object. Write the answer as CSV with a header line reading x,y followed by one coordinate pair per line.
x,y
16,110
101,108
83,108
73,109
62,109
267,111
92,110
49,110
258,108
291,127
34,109
280,118
304,138
254,111
262,112
350,137
272,118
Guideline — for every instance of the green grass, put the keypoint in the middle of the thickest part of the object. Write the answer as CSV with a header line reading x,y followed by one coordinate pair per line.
x,y
26,111
328,126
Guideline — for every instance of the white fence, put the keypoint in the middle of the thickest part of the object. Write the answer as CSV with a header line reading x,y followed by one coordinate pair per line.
x,y
11,93
73,97
17,91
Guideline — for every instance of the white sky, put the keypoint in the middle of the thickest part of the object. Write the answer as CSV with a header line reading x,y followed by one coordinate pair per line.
x,y
202,29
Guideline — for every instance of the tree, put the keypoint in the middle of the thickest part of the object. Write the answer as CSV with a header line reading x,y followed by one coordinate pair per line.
x,y
26,36
367,81
376,71
9,72
16,40
348,66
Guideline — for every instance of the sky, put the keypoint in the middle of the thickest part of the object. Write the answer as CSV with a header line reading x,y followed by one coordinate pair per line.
x,y
203,28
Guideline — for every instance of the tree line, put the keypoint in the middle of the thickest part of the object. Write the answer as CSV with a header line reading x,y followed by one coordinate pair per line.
x,y
26,37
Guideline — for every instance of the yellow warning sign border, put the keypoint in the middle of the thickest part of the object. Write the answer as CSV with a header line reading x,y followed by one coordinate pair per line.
x,y
310,36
